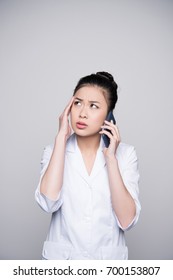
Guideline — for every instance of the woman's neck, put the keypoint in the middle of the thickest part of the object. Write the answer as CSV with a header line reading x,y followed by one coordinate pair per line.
x,y
89,144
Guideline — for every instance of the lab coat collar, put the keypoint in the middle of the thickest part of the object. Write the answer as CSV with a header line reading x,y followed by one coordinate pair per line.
x,y
72,145
74,153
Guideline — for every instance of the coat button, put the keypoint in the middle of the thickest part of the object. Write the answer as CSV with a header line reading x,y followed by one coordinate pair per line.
x,y
85,254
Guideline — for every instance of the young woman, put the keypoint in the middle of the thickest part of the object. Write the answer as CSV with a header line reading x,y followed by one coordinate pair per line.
x,y
91,190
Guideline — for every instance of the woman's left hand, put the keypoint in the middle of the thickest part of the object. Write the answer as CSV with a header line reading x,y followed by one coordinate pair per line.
x,y
114,136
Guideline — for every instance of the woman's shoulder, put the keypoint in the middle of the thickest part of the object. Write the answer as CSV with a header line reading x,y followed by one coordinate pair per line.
x,y
125,150
49,148
124,147
70,142
47,152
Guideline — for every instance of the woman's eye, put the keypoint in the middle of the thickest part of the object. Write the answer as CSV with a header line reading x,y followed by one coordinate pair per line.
x,y
94,106
77,103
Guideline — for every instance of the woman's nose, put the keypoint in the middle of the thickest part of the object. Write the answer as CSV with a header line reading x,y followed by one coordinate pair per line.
x,y
83,113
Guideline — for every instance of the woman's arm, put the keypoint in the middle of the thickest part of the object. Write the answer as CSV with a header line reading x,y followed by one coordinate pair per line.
x,y
122,202
52,180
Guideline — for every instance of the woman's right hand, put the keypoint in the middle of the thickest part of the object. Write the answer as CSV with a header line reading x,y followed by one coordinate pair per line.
x,y
64,126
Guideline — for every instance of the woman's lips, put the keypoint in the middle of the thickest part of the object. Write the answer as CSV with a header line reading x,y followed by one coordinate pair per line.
x,y
81,125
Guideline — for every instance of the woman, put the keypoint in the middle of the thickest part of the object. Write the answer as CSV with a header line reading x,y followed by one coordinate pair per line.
x,y
91,190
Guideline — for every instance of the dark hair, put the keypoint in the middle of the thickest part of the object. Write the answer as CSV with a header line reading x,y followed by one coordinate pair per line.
x,y
105,81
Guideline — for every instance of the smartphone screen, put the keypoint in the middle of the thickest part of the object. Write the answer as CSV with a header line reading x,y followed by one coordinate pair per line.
x,y
106,139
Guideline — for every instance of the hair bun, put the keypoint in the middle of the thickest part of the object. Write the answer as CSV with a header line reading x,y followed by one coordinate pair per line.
x,y
108,76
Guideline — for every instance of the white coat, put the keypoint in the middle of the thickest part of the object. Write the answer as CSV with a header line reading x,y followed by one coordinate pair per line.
x,y
84,224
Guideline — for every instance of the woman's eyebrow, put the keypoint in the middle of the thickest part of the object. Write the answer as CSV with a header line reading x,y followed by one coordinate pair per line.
x,y
89,100
78,98
94,101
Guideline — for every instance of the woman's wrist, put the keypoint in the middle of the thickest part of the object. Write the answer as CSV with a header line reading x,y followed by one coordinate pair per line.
x,y
111,159
61,138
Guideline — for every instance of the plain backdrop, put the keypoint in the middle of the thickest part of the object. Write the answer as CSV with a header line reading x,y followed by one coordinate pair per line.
x,y
45,47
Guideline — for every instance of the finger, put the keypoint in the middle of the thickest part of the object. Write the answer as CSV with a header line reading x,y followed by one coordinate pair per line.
x,y
110,125
117,131
68,107
109,134
112,130
109,122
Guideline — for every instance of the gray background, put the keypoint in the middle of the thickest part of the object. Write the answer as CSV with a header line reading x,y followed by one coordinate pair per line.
x,y
46,46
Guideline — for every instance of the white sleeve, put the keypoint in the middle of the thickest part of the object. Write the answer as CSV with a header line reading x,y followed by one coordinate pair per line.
x,y
44,202
130,176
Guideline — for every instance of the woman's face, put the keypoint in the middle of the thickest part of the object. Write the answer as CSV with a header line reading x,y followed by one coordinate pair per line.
x,y
88,111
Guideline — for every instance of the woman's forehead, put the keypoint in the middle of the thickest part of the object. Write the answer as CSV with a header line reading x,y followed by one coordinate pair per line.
x,y
90,93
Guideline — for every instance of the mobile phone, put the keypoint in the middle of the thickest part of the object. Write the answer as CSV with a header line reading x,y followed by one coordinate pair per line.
x,y
106,139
